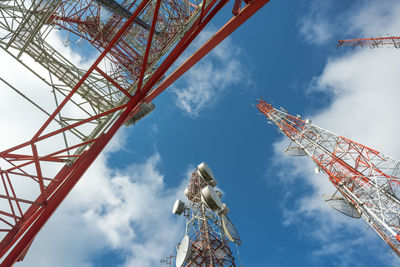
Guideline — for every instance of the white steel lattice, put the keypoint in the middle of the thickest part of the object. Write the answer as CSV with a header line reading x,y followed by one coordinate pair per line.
x,y
368,179
208,242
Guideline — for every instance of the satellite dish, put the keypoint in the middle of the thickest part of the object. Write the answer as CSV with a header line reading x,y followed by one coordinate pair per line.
x,y
211,198
230,230
316,170
294,150
224,210
340,204
186,192
308,121
205,172
179,207
184,251
145,109
219,193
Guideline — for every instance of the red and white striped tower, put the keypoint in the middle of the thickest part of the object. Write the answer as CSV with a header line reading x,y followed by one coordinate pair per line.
x,y
208,228
367,181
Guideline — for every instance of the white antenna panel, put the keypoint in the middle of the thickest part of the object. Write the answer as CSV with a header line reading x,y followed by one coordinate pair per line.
x,y
210,198
184,251
179,207
340,204
204,171
294,150
230,230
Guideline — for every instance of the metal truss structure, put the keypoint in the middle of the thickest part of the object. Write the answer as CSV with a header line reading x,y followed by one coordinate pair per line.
x,y
209,244
167,260
137,42
372,42
368,179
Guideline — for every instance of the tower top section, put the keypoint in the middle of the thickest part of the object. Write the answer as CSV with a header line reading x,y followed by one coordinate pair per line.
x,y
367,182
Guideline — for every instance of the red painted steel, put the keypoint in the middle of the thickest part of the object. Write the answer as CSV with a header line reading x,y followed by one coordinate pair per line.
x,y
26,223
149,43
372,42
352,168
208,247
217,38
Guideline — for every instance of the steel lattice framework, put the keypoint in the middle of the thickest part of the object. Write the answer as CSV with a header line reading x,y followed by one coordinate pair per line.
x,y
137,42
368,179
209,245
372,42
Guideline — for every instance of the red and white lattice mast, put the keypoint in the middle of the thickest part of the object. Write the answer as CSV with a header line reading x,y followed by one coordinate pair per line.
x,y
390,41
137,42
208,228
367,181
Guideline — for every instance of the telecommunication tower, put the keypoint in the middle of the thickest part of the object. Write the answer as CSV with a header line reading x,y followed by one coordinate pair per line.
x,y
367,182
390,41
208,228
137,42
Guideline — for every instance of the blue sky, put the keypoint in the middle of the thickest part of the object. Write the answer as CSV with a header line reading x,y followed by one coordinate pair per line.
x,y
120,213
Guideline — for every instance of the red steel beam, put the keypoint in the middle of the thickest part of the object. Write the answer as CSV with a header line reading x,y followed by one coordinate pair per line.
x,y
225,31
55,200
150,40
22,236
95,64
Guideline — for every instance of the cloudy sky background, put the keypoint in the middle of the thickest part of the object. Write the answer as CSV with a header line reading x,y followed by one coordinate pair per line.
x,y
120,212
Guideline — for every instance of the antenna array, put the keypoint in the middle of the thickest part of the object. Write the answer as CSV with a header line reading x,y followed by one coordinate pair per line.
x,y
367,182
208,228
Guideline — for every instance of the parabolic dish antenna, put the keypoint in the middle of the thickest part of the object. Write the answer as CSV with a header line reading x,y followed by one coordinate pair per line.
x,y
210,197
184,251
178,208
204,171
186,192
230,230
340,204
224,210
294,150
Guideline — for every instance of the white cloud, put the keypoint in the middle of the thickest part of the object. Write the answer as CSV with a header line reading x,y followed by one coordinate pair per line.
x,y
363,84
125,211
375,18
202,86
324,25
314,26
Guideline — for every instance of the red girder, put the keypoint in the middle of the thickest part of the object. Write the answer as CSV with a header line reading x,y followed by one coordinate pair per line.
x,y
54,189
91,28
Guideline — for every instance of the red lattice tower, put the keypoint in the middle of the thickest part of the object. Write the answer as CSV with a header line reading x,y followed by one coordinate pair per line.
x,y
137,42
367,181
372,42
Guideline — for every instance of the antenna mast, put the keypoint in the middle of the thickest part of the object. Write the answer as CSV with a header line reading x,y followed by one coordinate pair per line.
x,y
372,42
208,228
367,181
